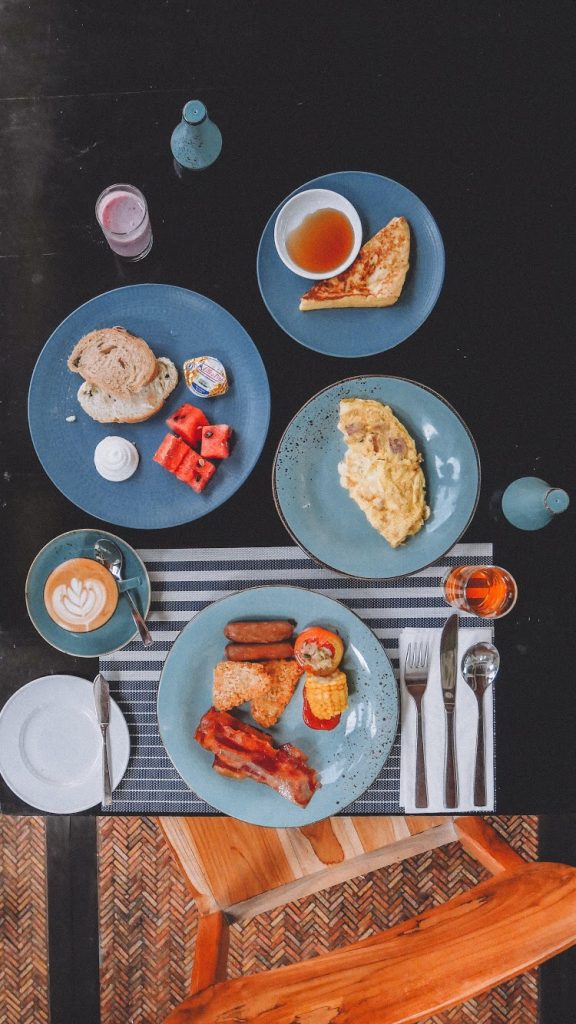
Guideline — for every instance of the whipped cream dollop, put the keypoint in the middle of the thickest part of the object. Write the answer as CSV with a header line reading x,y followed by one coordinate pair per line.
x,y
116,458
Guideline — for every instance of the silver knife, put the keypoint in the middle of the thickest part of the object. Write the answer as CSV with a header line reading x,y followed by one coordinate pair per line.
x,y
102,702
448,677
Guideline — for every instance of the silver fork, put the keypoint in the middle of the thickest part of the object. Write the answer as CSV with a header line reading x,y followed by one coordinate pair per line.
x,y
416,678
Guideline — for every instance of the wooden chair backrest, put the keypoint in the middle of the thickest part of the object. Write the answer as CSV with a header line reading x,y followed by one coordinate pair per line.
x,y
500,928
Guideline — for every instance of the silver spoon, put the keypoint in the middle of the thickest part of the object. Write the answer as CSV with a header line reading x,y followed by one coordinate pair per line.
x,y
110,555
480,666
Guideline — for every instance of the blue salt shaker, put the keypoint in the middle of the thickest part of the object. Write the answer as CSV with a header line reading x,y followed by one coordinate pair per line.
x,y
530,503
196,142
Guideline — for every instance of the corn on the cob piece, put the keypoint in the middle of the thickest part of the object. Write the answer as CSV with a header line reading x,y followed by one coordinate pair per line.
x,y
327,696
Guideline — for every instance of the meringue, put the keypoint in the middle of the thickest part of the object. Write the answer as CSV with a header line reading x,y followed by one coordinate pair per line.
x,y
116,458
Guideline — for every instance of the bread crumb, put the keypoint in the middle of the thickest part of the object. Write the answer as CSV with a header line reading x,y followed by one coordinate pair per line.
x,y
70,419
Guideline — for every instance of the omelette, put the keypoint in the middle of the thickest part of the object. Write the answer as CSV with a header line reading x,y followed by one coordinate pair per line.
x,y
381,469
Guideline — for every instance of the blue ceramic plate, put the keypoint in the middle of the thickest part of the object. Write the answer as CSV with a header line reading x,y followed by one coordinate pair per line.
x,y
348,759
179,324
358,332
119,629
321,516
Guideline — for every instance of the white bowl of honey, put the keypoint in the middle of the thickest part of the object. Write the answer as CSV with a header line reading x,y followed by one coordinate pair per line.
x,y
317,233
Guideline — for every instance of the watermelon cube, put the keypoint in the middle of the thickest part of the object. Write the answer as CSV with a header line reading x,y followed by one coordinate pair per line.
x,y
187,422
195,471
171,453
215,441
188,465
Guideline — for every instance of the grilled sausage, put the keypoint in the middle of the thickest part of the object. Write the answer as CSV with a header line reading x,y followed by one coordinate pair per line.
x,y
259,652
270,631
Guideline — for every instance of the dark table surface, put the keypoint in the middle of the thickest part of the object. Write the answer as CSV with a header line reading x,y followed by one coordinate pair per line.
x,y
464,104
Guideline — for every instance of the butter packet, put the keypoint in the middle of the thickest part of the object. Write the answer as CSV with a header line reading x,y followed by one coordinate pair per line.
x,y
205,377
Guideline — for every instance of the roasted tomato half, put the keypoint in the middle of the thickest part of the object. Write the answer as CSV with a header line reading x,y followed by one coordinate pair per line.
x,y
318,650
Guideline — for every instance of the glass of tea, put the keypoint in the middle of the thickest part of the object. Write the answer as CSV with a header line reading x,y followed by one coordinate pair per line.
x,y
484,590
122,213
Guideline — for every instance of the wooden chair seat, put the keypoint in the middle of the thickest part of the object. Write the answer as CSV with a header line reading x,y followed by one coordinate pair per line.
x,y
500,928
244,870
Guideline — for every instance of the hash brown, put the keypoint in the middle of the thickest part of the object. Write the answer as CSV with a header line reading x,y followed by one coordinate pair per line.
x,y
235,682
270,705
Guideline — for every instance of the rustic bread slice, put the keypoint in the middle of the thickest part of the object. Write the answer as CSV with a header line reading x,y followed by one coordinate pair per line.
x,y
107,408
115,360
375,278
268,707
237,681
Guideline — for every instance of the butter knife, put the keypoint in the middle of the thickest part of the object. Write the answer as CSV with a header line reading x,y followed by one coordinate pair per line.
x,y
448,677
102,702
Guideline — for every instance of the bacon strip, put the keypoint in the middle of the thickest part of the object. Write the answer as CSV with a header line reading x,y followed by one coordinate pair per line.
x,y
243,752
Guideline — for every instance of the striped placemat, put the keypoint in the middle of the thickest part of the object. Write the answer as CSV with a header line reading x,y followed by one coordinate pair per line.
x,y
186,580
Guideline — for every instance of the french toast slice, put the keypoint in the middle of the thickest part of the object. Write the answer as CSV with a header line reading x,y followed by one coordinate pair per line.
x,y
269,706
375,278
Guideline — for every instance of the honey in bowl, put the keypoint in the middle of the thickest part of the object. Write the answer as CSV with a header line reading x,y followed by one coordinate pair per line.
x,y
322,242
80,595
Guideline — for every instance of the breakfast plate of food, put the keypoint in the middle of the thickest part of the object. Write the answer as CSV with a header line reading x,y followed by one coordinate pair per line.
x,y
149,406
376,477
382,296
277,705
74,601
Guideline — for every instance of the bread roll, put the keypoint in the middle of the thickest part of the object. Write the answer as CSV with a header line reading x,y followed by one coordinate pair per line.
x,y
105,407
115,360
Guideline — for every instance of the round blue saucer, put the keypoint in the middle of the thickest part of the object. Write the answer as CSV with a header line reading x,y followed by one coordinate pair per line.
x,y
358,332
114,634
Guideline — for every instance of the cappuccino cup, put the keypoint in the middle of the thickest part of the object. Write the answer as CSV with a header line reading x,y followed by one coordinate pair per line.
x,y
80,595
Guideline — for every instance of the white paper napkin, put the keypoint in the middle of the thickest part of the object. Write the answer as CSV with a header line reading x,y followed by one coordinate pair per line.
x,y
434,727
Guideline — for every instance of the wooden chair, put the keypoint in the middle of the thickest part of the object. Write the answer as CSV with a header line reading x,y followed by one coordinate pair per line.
x,y
522,916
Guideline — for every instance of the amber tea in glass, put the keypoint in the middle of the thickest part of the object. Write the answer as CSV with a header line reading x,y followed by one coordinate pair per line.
x,y
485,590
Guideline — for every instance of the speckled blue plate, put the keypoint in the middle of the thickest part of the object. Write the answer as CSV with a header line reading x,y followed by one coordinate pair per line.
x,y
348,759
176,323
322,517
358,332
114,634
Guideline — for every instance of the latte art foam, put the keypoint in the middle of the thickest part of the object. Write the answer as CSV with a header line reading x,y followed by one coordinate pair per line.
x,y
80,601
80,595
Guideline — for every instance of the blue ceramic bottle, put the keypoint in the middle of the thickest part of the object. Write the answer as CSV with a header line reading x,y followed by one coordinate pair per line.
x,y
196,142
530,503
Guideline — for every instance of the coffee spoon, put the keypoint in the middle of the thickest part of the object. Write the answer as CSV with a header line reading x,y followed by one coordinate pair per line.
x,y
479,667
110,555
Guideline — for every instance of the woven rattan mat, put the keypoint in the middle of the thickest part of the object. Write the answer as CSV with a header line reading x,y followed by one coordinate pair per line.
x,y
148,922
23,924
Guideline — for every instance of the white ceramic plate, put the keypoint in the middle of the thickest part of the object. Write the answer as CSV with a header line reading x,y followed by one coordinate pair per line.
x,y
51,747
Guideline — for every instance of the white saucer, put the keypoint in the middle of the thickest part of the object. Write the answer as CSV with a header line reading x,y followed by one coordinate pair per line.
x,y
51,746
